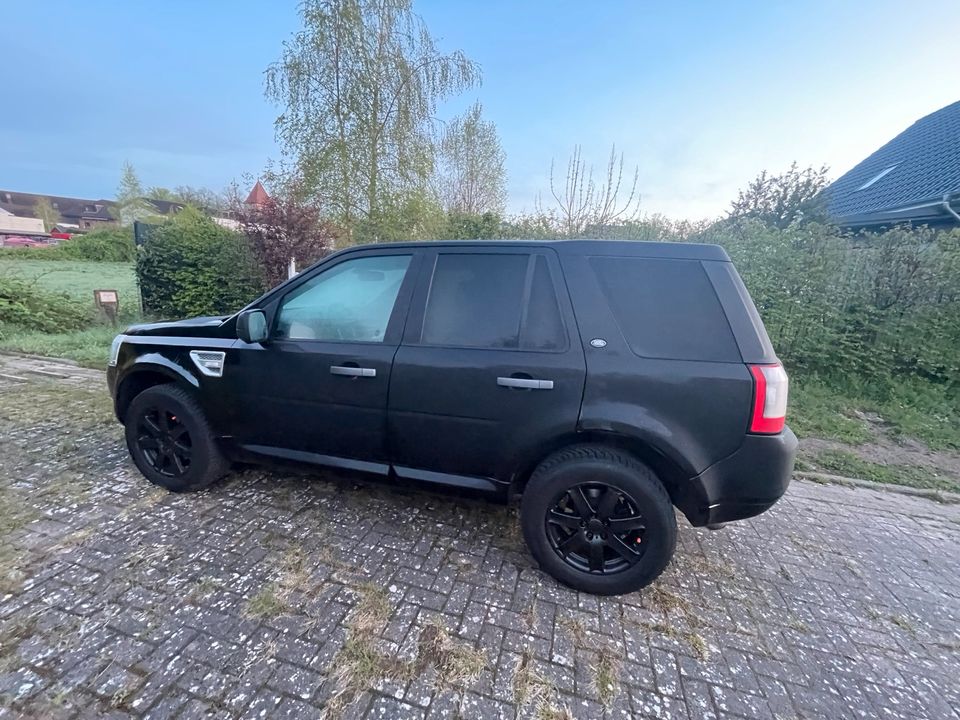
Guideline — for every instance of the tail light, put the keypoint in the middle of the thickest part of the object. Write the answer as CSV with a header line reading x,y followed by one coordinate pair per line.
x,y
769,398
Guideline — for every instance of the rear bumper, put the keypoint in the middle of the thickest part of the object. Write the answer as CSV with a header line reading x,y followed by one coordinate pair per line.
x,y
743,484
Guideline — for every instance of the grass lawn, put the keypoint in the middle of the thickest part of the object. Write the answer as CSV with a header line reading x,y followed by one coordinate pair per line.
x,y
89,347
909,408
847,464
77,278
871,433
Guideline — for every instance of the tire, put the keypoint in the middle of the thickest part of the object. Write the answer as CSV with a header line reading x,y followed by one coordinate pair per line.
x,y
635,527
182,456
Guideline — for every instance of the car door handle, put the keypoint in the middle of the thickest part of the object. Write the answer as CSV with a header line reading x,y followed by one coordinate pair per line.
x,y
352,371
525,383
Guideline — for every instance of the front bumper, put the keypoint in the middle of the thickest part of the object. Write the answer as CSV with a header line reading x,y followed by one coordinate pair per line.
x,y
112,380
743,484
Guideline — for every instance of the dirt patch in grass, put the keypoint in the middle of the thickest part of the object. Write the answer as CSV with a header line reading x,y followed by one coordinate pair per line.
x,y
910,438
937,471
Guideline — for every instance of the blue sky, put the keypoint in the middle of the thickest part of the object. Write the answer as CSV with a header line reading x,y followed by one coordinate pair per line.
x,y
701,95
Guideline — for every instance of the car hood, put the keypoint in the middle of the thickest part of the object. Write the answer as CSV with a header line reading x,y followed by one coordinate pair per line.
x,y
192,327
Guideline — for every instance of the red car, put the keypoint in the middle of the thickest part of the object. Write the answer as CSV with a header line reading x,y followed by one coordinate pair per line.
x,y
19,241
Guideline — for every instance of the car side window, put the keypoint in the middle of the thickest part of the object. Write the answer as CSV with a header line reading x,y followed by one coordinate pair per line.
x,y
666,309
350,302
503,301
543,327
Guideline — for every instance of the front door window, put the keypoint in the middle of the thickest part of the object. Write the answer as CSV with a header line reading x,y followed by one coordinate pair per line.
x,y
350,302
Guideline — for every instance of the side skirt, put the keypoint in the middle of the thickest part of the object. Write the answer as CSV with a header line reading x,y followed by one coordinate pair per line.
x,y
482,484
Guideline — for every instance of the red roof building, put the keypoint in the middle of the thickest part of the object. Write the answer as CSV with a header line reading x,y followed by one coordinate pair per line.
x,y
257,196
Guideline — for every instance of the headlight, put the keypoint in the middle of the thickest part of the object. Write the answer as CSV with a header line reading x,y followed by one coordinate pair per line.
x,y
115,349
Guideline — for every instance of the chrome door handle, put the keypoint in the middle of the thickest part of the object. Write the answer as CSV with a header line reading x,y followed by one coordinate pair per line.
x,y
352,371
526,383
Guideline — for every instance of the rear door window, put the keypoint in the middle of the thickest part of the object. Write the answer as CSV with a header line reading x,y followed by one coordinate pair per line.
x,y
495,300
666,308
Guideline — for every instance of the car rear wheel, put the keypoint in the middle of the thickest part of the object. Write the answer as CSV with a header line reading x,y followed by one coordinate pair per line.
x,y
598,520
170,441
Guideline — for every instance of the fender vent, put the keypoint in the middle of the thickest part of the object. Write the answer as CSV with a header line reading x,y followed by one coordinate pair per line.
x,y
208,362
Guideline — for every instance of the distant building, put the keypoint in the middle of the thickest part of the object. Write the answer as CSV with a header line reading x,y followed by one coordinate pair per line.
x,y
913,178
85,214
75,213
18,212
11,224
258,196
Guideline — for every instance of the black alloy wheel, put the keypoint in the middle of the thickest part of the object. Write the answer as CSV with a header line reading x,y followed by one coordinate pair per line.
x,y
164,441
170,440
598,519
597,528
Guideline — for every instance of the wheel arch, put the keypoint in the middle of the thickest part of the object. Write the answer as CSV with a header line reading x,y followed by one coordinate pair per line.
x,y
147,373
669,471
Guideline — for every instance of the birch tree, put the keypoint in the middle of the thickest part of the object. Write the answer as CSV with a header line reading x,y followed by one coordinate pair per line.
x,y
471,177
359,86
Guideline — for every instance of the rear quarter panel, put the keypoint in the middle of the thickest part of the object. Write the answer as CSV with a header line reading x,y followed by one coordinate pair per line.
x,y
694,412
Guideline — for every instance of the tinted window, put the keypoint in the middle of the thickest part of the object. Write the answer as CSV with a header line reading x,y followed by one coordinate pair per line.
x,y
350,302
543,324
475,301
666,308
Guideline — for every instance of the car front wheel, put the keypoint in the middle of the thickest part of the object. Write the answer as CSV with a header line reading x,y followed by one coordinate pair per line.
x,y
598,520
170,441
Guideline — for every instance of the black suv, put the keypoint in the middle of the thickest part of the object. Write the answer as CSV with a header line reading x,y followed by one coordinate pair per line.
x,y
607,382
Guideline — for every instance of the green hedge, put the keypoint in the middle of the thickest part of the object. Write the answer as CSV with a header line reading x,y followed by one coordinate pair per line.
x,y
113,244
192,266
109,244
862,308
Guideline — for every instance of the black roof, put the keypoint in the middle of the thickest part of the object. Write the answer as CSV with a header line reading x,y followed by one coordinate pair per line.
x,y
906,179
585,246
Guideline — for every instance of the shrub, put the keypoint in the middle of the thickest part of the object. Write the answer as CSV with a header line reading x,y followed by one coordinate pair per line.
x,y
109,244
281,229
24,307
472,226
192,266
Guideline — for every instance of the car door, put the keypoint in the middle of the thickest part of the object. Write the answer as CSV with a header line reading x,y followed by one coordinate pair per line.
x,y
490,366
317,390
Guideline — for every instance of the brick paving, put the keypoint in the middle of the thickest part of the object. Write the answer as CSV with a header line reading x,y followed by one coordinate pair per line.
x,y
280,595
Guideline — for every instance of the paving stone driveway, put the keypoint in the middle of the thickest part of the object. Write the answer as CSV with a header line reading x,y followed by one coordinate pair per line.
x,y
274,595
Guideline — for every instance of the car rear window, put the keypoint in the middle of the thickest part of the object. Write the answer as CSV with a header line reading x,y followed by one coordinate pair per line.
x,y
666,308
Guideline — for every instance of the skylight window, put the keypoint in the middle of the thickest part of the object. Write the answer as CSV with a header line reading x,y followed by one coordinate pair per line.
x,y
877,177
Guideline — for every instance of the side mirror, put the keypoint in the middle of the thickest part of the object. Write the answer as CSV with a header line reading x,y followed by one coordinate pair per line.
x,y
252,326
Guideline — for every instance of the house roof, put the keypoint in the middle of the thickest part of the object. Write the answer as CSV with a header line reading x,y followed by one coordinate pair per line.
x,y
74,209
166,207
906,179
257,196
24,205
